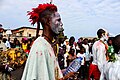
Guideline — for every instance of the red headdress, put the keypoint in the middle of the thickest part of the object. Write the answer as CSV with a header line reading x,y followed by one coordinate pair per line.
x,y
34,14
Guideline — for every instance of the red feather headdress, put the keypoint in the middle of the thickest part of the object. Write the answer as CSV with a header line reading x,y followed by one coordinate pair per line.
x,y
34,14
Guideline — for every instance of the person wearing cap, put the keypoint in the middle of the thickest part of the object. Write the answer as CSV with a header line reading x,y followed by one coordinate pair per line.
x,y
42,63
99,55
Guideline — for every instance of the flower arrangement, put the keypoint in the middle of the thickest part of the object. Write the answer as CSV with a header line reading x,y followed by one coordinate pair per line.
x,y
112,57
111,54
34,14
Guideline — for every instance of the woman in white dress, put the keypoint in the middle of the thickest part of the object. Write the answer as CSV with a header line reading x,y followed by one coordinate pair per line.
x,y
111,70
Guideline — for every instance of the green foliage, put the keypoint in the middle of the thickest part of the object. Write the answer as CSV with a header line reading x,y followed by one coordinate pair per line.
x,y
112,57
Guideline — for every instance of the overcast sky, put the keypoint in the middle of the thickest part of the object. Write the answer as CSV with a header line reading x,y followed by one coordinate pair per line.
x,y
80,17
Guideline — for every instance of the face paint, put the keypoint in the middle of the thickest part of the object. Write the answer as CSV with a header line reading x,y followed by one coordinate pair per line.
x,y
105,37
56,24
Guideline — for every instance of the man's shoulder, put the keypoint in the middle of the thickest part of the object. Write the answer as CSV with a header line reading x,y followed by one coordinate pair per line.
x,y
40,39
98,43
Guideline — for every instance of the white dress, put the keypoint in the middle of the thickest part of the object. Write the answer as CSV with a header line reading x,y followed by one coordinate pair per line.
x,y
41,63
111,70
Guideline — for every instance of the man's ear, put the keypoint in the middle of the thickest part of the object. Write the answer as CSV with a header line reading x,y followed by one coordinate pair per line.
x,y
48,21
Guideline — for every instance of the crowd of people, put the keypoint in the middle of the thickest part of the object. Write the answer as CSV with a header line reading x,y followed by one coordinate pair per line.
x,y
25,43
68,50
98,55
13,54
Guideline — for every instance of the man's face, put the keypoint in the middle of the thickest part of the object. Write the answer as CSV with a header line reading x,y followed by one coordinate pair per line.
x,y
56,24
105,36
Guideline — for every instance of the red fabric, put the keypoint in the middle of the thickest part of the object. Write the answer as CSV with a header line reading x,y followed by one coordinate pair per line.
x,y
94,71
27,51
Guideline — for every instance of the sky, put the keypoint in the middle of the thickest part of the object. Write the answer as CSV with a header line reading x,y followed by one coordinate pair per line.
x,y
81,18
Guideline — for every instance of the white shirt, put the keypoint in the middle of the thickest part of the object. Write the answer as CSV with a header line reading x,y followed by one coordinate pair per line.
x,y
99,57
7,44
82,56
87,54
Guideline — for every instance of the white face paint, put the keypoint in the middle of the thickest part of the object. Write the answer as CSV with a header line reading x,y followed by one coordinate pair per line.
x,y
56,24
105,37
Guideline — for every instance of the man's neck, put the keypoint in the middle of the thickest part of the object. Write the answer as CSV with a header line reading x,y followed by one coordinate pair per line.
x,y
102,41
48,38
48,34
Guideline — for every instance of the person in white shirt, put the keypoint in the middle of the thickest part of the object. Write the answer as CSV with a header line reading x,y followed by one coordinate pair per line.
x,y
99,55
86,46
81,53
7,43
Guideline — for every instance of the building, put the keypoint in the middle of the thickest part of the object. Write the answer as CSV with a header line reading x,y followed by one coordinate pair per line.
x,y
19,33
25,32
